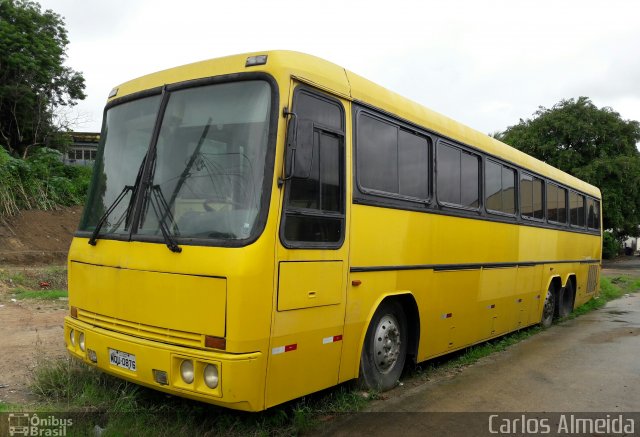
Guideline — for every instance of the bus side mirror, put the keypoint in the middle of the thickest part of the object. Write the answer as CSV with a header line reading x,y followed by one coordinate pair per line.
x,y
299,152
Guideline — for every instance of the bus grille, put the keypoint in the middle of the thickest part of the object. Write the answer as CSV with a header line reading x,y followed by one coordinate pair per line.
x,y
141,330
592,280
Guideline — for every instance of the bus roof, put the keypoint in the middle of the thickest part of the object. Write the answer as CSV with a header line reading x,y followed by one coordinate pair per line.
x,y
325,75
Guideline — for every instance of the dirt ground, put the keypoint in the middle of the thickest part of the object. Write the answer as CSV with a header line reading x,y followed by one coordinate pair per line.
x,y
31,330
38,237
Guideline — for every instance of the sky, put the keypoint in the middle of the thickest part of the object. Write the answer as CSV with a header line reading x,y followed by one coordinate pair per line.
x,y
487,63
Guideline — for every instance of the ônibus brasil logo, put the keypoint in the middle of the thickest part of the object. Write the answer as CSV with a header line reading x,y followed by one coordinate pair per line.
x,y
26,424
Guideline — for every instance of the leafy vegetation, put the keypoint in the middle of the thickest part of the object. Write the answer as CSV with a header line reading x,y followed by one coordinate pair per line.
x,y
610,246
34,84
594,144
41,181
34,88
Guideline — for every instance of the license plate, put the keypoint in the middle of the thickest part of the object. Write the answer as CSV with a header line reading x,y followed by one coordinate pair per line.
x,y
122,359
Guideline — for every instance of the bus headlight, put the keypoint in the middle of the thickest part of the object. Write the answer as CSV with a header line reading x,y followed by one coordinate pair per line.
x,y
81,341
211,376
186,371
72,337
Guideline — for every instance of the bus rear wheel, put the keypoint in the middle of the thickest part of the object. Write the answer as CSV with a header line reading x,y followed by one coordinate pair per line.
x,y
385,348
565,302
549,308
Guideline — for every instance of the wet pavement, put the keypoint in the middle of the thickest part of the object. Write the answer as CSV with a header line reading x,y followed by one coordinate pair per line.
x,y
588,364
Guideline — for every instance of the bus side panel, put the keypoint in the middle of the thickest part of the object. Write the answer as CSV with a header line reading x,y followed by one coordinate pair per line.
x,y
457,319
532,291
363,299
497,301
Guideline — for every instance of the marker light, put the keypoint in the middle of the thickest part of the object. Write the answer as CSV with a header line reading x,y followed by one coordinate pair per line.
x,y
211,376
81,341
215,342
256,60
92,355
160,376
186,371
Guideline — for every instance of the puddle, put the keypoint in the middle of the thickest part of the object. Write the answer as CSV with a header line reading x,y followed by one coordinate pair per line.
x,y
617,312
614,334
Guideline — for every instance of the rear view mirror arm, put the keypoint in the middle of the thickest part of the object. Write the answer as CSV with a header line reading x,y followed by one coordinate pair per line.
x,y
291,132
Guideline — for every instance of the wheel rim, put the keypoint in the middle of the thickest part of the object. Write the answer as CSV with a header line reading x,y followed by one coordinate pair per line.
x,y
386,344
548,305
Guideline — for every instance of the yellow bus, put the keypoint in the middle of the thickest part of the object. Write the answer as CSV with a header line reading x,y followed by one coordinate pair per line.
x,y
267,225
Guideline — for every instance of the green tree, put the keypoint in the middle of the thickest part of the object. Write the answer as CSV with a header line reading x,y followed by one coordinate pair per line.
x,y
594,144
34,83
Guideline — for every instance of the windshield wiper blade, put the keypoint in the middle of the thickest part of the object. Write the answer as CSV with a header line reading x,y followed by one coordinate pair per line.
x,y
103,219
163,211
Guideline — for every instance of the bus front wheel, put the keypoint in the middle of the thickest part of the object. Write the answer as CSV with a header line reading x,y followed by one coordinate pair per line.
x,y
385,347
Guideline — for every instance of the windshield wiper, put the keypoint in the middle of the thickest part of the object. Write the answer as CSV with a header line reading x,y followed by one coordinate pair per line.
x,y
127,213
187,170
163,211
161,207
103,219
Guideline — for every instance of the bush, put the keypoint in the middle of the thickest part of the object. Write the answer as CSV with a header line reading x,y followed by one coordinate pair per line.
x,y
41,181
610,246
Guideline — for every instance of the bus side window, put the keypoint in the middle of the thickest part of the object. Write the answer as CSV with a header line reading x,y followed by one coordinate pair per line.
x,y
500,182
593,219
577,210
531,189
556,203
457,176
314,205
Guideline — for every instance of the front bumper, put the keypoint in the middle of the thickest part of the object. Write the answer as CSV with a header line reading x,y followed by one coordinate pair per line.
x,y
240,376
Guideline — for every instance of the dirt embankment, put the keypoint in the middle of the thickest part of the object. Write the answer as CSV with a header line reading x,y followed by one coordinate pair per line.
x,y
38,237
31,330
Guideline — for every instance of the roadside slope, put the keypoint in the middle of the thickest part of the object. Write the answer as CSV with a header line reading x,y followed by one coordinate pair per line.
x,y
38,237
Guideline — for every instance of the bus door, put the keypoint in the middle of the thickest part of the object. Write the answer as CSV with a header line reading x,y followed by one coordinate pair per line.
x,y
306,335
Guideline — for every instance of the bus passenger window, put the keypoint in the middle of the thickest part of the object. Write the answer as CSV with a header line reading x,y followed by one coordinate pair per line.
x,y
377,155
391,161
593,211
556,203
500,184
576,204
457,176
531,197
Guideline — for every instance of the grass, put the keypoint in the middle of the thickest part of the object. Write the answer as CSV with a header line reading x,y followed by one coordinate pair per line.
x,y
40,294
48,283
122,408
610,288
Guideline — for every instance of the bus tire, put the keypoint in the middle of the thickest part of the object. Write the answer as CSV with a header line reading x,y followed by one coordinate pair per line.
x,y
385,347
565,301
549,308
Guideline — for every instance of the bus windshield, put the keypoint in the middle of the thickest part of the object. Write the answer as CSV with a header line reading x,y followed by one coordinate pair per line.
x,y
206,169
